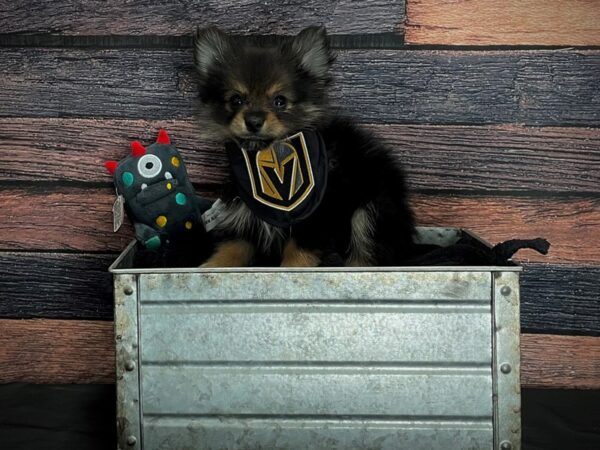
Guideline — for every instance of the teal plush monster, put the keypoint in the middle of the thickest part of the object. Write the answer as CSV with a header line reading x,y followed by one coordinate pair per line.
x,y
159,197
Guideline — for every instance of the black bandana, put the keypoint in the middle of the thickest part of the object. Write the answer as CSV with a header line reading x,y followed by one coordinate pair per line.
x,y
285,182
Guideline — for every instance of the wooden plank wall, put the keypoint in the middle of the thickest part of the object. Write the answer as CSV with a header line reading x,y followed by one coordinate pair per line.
x,y
494,108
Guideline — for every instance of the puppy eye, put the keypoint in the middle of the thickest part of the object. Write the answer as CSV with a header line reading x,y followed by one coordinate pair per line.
x,y
236,100
280,102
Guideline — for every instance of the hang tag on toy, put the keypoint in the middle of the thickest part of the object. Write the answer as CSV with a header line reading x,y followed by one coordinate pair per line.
x,y
118,212
213,217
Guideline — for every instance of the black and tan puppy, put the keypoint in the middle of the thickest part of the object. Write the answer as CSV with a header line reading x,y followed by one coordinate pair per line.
x,y
258,93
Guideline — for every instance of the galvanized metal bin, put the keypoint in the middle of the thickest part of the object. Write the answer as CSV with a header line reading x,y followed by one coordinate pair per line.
x,y
327,358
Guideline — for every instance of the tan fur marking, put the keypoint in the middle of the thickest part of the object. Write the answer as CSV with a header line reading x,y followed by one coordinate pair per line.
x,y
237,253
273,126
294,256
238,125
274,89
237,87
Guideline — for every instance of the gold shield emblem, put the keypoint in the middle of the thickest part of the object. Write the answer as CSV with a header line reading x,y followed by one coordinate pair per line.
x,y
281,174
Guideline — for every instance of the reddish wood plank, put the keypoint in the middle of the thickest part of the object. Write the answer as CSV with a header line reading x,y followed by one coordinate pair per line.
x,y
541,87
56,351
147,17
510,22
70,351
73,218
65,219
571,225
75,149
552,361
505,157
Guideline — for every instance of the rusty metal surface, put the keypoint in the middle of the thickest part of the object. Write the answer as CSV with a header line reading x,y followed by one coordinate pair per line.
x,y
312,332
282,286
282,433
127,361
325,359
507,367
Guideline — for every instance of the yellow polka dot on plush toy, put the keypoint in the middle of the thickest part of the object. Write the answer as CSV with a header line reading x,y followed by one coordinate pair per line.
x,y
188,225
175,161
169,186
161,221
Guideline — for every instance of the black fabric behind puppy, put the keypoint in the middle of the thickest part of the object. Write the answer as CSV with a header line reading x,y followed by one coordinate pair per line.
x,y
256,93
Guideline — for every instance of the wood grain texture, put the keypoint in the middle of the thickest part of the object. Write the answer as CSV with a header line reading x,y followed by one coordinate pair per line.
x,y
56,285
378,86
555,299
76,149
560,299
477,158
56,351
511,22
76,219
80,219
171,17
71,351
549,361
571,225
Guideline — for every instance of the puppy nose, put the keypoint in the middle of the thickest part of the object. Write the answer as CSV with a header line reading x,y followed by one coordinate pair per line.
x,y
254,121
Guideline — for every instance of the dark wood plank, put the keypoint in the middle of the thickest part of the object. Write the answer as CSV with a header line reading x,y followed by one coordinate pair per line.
x,y
72,351
378,86
555,299
511,22
559,299
56,351
56,285
171,17
482,158
78,218
560,362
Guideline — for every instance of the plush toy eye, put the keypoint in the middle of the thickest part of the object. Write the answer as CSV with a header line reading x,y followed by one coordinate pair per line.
x,y
280,102
236,100
149,166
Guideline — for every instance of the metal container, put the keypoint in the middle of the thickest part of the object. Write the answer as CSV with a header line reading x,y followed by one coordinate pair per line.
x,y
322,358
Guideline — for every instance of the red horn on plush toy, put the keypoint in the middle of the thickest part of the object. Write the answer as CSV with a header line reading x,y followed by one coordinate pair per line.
x,y
163,138
137,149
111,166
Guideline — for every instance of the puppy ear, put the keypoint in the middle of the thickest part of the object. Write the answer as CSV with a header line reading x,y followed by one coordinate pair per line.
x,y
210,47
311,47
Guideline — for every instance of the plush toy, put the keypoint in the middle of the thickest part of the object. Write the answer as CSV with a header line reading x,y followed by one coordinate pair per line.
x,y
157,193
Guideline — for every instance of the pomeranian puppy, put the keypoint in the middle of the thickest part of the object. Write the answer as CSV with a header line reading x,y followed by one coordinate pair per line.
x,y
257,92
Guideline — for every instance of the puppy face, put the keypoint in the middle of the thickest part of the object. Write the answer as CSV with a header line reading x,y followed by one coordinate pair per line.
x,y
258,93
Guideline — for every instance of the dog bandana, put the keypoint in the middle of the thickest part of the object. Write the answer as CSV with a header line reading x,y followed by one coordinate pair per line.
x,y
283,183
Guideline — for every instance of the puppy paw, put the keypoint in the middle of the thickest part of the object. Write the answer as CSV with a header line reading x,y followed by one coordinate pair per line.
x,y
236,253
294,256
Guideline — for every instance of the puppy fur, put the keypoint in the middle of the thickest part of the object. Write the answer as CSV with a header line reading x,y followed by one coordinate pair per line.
x,y
256,92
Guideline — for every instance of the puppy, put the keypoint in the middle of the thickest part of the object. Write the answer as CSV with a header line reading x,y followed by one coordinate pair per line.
x,y
256,93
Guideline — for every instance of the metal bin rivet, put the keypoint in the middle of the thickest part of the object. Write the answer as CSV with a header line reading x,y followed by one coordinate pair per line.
x,y
129,365
131,440
505,445
505,368
505,290
128,290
